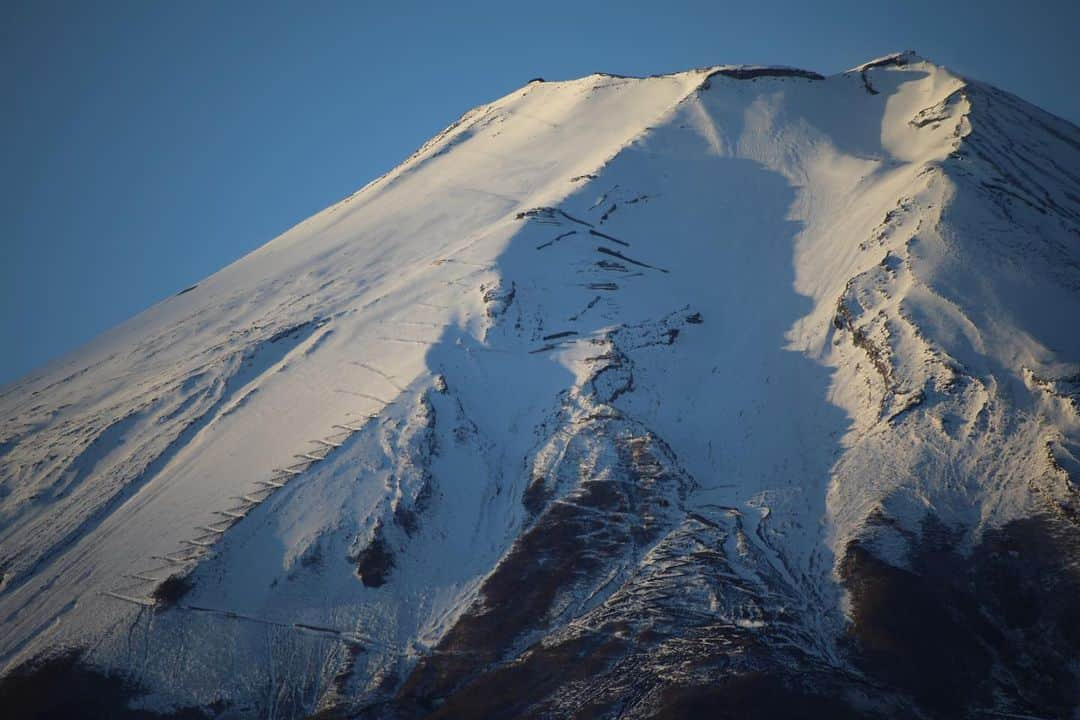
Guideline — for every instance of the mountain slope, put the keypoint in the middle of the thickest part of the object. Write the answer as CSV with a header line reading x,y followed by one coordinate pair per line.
x,y
740,389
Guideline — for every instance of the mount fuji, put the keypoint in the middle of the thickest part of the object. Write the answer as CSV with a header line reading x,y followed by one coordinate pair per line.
x,y
737,392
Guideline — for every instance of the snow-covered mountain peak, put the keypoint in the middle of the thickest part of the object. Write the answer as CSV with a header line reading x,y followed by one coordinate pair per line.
x,y
696,378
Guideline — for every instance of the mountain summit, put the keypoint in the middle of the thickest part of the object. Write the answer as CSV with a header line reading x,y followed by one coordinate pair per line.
x,y
737,392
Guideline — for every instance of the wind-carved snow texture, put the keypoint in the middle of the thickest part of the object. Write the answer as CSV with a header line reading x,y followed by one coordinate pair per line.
x,y
739,389
124,454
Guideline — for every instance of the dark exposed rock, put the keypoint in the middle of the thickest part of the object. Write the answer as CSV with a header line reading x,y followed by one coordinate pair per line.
x,y
172,590
536,495
751,73
374,562
407,519
866,84
754,696
64,687
610,514
997,628
498,298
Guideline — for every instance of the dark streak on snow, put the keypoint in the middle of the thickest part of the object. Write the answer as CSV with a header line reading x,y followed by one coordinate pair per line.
x,y
555,240
608,237
622,257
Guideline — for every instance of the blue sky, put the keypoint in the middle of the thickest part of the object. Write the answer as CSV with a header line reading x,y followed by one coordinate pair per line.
x,y
146,144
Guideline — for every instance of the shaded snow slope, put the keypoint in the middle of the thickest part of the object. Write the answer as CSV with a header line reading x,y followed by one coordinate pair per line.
x,y
673,374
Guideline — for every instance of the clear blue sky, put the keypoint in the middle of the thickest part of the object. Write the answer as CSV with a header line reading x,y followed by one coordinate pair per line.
x,y
146,144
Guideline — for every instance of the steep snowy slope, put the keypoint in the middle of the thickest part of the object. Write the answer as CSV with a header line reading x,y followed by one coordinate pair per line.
x,y
740,388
